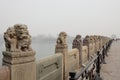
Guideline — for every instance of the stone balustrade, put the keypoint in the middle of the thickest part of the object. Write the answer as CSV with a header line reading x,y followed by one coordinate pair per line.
x,y
73,60
20,61
49,68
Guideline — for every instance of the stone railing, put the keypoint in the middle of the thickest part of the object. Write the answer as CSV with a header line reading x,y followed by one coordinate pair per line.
x,y
20,60
49,68
84,54
73,60
91,66
19,56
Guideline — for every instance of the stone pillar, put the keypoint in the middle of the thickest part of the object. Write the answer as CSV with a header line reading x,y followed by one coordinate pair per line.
x,y
21,65
100,42
92,42
61,47
77,43
19,56
86,42
95,39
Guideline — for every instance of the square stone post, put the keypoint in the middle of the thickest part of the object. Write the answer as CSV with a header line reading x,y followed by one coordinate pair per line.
x,y
77,43
64,51
21,64
61,47
86,42
19,56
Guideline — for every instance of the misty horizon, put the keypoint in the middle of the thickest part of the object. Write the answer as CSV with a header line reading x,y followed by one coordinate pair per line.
x,y
50,17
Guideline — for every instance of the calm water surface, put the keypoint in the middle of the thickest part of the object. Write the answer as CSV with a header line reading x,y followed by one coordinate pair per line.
x,y
42,50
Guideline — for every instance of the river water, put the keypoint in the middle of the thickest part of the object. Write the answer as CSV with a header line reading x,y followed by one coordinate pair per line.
x,y
42,50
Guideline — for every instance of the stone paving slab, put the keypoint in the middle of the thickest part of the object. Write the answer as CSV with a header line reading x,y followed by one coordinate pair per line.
x,y
111,70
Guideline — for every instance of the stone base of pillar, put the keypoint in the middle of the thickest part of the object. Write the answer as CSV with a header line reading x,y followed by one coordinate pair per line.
x,y
63,49
21,64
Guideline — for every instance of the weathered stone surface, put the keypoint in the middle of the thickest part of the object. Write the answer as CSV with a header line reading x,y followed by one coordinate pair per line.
x,y
111,70
19,56
96,39
25,71
50,68
21,65
86,41
91,49
62,38
97,46
84,54
91,39
77,43
100,42
61,47
17,38
10,39
4,73
73,59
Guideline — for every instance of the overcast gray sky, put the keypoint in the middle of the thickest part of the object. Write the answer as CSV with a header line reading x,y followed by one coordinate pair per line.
x,y
49,17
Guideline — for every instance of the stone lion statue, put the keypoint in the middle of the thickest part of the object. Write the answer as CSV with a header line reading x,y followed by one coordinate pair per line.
x,y
95,38
91,39
62,38
10,39
17,38
86,40
78,38
77,41
23,36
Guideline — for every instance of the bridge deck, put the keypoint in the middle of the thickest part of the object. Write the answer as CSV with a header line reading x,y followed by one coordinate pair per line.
x,y
111,70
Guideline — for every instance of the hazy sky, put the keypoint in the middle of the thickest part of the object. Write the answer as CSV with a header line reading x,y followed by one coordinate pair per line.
x,y
50,17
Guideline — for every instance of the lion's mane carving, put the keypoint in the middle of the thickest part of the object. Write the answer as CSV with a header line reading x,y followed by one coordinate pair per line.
x,y
10,39
62,38
17,38
86,40
77,41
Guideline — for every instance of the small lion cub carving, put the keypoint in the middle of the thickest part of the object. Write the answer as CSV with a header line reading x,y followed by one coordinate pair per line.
x,y
10,39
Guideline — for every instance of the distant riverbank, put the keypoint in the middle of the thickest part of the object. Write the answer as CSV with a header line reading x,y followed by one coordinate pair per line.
x,y
41,49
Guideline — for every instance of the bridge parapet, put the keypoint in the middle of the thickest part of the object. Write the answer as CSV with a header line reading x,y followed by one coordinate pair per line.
x,y
62,48
73,60
19,56
77,43
84,54
20,60
50,68
91,70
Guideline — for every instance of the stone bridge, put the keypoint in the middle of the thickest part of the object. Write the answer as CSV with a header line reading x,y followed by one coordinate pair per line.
x,y
81,62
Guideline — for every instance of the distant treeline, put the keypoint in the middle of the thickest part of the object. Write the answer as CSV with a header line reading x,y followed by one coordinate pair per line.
x,y
43,39
49,39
